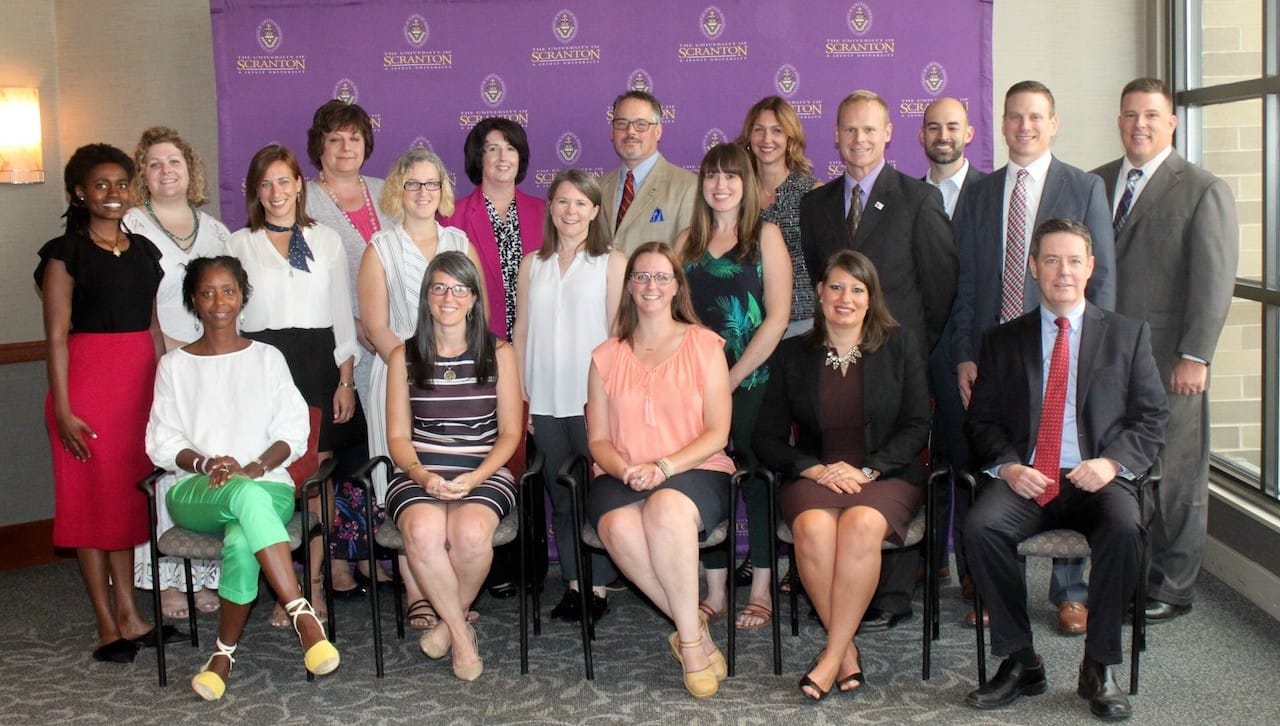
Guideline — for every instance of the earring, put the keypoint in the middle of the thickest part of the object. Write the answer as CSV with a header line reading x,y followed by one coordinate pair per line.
x,y
242,320
469,312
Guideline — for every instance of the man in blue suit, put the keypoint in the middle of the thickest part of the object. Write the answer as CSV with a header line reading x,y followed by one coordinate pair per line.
x,y
991,232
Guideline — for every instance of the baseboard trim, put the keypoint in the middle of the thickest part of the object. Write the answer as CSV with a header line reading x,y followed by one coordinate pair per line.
x,y
28,351
27,544
1258,584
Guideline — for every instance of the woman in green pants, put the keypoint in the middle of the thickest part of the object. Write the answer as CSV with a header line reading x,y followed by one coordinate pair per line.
x,y
227,416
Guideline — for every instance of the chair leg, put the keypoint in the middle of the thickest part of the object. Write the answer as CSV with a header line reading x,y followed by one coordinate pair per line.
x,y
191,603
161,665
375,598
522,586
775,626
795,595
578,468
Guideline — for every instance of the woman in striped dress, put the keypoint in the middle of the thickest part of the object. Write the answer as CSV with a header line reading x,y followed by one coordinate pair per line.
x,y
454,411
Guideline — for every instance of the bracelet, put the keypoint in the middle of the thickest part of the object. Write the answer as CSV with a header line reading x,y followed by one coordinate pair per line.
x,y
408,470
346,384
258,461
196,463
665,466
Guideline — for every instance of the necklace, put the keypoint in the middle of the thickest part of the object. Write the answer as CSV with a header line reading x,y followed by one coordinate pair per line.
x,y
367,208
189,239
842,362
113,244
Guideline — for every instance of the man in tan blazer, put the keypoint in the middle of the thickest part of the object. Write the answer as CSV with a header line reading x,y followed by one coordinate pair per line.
x,y
658,195
1177,246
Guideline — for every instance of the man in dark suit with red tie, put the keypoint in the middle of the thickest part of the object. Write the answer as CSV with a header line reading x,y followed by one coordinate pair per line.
x,y
1068,410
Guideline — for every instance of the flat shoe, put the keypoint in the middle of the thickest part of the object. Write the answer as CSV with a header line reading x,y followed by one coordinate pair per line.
x,y
755,610
121,650
149,640
719,666
356,593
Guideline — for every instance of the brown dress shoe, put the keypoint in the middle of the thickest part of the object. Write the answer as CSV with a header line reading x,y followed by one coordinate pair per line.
x,y
1073,618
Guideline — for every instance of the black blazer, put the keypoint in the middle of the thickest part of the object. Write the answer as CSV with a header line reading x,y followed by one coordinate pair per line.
x,y
1121,407
895,402
904,232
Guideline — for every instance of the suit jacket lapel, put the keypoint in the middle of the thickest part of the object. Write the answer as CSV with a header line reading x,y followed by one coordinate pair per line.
x,y
878,201
1054,188
1165,178
1093,329
1033,365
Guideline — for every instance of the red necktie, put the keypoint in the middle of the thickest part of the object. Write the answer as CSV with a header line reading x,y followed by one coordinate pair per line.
x,y
1015,252
1049,436
628,193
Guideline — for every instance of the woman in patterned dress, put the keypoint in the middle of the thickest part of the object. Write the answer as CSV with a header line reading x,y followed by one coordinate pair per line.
x,y
740,279
454,419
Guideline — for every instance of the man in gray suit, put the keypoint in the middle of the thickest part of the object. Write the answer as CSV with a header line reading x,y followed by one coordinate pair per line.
x,y
647,198
1177,245
992,229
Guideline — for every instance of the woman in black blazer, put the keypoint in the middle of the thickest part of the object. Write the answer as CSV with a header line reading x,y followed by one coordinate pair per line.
x,y
855,390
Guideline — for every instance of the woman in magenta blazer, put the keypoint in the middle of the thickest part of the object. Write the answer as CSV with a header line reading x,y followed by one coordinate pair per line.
x,y
501,221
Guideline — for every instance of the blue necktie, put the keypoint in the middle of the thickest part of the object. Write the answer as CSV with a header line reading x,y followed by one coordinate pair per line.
x,y
1126,201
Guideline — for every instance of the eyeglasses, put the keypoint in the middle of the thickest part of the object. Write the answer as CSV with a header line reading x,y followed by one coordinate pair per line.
x,y
414,185
462,292
639,124
662,278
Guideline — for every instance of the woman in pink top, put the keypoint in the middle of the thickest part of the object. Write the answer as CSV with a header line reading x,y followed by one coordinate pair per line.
x,y
658,409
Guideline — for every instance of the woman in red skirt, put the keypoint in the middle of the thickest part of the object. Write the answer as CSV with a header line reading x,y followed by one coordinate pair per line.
x,y
98,285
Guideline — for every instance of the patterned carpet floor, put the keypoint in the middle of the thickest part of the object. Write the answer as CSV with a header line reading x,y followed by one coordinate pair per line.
x,y
1215,665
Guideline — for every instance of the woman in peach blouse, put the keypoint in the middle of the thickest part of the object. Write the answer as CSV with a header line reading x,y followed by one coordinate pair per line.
x,y
658,408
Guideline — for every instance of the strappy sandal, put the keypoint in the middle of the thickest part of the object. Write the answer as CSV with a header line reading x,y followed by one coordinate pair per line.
x,y
322,657
209,685
761,613
421,615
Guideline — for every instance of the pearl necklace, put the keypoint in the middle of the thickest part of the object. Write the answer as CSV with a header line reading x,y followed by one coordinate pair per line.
x,y
190,239
842,362
367,208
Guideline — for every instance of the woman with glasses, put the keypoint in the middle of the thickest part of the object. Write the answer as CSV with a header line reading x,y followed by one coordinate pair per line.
x,y
389,287
658,409
568,296
740,281
454,418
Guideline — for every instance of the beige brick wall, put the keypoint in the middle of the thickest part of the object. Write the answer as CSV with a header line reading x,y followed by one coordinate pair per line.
x,y
1232,149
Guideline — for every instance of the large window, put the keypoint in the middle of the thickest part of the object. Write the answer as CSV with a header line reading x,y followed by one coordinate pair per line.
x,y
1226,71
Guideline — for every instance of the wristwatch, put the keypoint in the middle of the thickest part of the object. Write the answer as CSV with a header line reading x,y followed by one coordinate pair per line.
x,y
870,473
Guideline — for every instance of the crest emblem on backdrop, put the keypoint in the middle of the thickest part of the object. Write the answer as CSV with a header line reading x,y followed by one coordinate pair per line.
x,y
565,26
422,143
712,138
493,90
269,35
711,22
416,30
640,80
345,90
933,77
859,18
787,80
568,146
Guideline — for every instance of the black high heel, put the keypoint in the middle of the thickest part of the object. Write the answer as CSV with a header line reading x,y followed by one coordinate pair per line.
x,y
856,677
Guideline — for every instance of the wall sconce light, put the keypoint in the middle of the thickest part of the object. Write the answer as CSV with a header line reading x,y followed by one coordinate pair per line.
x,y
21,156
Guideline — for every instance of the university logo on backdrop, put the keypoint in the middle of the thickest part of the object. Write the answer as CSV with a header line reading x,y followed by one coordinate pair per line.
x,y
712,23
417,57
933,80
345,90
269,37
568,147
642,81
568,153
859,22
564,28
421,143
493,92
713,137
786,81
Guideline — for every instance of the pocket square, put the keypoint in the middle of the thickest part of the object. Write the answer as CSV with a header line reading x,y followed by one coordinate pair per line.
x,y
656,216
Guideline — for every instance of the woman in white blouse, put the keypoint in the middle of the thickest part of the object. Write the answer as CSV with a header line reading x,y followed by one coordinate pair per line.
x,y
301,303
567,297
227,417
389,289
169,188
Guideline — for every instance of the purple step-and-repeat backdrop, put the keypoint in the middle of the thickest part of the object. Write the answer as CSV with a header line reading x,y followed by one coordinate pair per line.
x,y
427,72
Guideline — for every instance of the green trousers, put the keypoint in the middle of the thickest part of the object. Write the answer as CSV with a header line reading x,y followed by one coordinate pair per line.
x,y
251,516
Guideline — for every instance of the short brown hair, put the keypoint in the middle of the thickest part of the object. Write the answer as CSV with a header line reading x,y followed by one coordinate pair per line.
x,y
333,116
1148,85
1031,87
595,244
863,96
196,191
258,165
1059,225
645,96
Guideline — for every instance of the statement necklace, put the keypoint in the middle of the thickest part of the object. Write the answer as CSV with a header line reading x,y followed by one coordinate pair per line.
x,y
189,239
367,208
842,362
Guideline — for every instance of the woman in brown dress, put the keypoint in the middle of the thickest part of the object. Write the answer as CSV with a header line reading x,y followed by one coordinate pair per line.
x,y
855,389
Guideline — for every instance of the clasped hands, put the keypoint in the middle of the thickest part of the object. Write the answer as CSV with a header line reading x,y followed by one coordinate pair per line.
x,y
445,489
221,469
840,477
642,477
1089,476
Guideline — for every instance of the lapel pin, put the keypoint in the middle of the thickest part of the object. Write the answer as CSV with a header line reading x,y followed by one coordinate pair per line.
x,y
879,206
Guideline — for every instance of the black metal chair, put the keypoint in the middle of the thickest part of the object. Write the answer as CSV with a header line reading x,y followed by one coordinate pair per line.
x,y
919,536
1070,543
388,539
573,474
190,545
